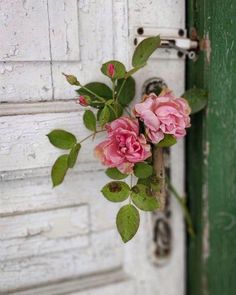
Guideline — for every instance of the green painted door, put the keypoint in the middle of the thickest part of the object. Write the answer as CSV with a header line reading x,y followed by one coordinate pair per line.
x,y
211,152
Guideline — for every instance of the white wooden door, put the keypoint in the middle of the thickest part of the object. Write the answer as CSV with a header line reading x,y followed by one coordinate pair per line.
x,y
64,240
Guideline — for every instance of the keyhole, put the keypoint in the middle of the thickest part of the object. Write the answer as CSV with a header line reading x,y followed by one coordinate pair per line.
x,y
154,85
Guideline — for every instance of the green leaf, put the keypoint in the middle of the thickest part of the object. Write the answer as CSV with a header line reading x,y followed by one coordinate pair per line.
x,y
62,139
144,198
99,89
144,50
89,120
116,191
104,116
119,69
127,93
151,182
59,170
119,109
197,99
167,141
73,155
98,114
114,173
116,110
143,170
127,222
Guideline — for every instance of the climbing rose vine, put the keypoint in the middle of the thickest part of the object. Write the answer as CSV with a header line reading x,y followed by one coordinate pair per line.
x,y
157,121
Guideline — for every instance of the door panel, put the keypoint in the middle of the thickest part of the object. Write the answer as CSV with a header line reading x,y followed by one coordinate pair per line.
x,y
64,240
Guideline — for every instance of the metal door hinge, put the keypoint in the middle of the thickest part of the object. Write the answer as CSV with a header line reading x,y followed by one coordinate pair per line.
x,y
171,39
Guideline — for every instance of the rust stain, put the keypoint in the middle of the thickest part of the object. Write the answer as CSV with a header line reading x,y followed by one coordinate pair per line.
x,y
205,45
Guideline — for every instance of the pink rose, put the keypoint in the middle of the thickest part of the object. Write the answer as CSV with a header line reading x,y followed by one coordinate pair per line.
x,y
124,145
164,114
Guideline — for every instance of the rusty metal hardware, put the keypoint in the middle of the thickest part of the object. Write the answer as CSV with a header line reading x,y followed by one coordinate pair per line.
x,y
172,39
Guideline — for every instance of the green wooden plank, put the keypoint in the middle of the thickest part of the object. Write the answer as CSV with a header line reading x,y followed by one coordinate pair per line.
x,y
196,73
211,154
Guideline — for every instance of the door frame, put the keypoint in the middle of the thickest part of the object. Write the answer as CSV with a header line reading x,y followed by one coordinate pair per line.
x,y
211,176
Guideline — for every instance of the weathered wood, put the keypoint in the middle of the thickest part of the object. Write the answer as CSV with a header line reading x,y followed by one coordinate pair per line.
x,y
110,283
143,13
118,288
44,232
61,106
17,84
56,266
35,194
24,31
63,30
24,144
56,39
44,264
39,31
159,167
211,153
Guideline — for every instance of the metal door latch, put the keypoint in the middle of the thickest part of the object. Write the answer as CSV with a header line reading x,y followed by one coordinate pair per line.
x,y
171,39
184,45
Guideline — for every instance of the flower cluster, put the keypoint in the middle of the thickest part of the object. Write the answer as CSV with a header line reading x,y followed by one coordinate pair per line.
x,y
126,145
134,142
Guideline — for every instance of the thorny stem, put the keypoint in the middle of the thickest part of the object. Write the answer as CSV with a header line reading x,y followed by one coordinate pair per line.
x,y
184,209
115,99
90,135
113,89
131,185
122,86
98,102
113,110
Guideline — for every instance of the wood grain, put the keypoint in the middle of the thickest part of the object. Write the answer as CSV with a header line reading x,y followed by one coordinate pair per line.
x,y
211,153
52,267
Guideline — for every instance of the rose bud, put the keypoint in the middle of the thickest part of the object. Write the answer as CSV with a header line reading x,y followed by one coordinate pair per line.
x,y
111,70
83,100
72,80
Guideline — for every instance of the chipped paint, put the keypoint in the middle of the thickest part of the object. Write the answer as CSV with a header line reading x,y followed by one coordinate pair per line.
x,y
205,45
66,233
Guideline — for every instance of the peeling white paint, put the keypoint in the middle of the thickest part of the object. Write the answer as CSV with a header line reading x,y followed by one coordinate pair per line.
x,y
51,235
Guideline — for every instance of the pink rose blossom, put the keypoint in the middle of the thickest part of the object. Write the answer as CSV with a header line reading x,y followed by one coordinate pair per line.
x,y
83,101
111,70
124,145
164,114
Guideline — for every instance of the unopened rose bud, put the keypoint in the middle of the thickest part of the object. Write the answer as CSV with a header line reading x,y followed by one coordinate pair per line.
x,y
72,80
111,70
83,100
